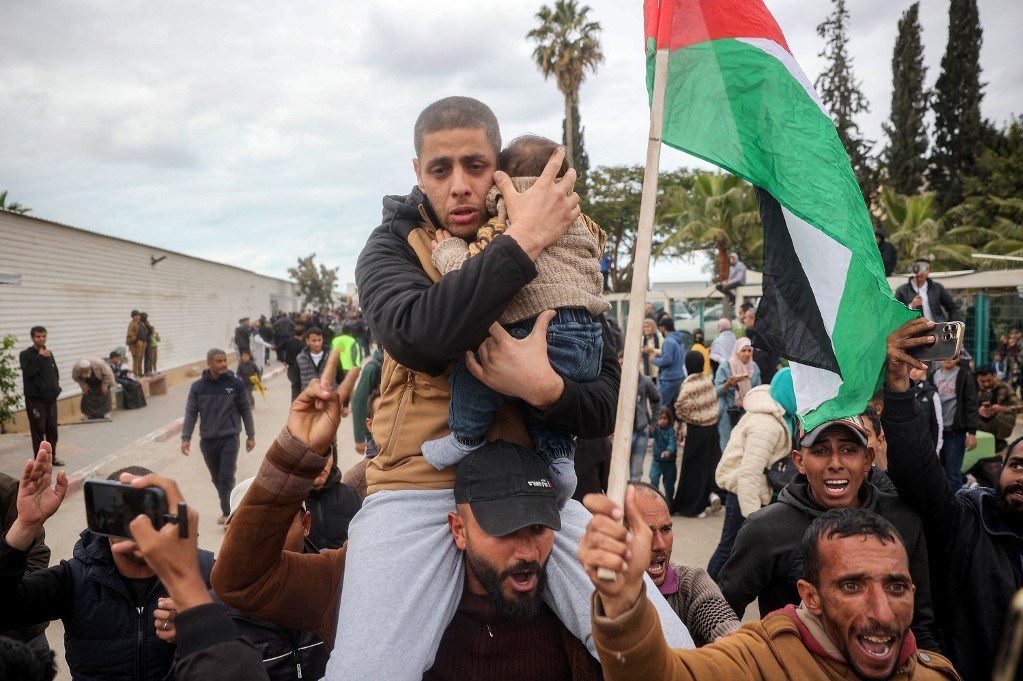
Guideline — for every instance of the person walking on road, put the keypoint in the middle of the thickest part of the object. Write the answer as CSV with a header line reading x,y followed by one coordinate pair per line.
x,y
41,379
220,402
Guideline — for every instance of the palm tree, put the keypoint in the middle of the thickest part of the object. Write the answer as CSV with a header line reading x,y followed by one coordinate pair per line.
x,y
1006,230
719,214
912,226
12,207
566,46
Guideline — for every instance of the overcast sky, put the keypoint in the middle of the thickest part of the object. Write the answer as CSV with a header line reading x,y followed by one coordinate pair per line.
x,y
253,133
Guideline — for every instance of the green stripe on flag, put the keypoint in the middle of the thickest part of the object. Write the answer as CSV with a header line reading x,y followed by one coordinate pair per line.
x,y
732,104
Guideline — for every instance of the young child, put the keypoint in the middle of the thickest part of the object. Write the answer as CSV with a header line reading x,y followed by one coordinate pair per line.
x,y
569,282
665,449
246,370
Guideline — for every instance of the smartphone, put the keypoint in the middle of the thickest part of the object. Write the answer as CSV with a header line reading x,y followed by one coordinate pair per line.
x,y
1007,659
947,345
111,506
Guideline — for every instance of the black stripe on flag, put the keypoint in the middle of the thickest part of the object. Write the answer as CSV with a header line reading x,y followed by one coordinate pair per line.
x,y
789,322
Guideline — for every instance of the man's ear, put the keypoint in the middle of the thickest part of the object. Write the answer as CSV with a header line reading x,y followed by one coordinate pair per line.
x,y
419,174
797,458
810,596
457,526
307,523
871,455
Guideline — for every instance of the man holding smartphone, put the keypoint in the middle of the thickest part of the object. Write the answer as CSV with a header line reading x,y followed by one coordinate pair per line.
x,y
105,595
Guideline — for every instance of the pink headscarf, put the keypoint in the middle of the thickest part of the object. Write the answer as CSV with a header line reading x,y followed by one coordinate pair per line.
x,y
737,367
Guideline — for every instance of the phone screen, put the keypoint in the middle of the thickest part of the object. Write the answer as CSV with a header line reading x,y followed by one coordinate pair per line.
x,y
111,506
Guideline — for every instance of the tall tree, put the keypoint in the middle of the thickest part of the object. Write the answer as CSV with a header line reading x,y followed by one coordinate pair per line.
x,y
315,284
613,203
906,154
567,45
718,214
913,226
580,159
843,98
958,128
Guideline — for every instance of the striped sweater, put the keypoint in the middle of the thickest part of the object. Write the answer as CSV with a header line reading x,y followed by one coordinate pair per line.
x,y
697,402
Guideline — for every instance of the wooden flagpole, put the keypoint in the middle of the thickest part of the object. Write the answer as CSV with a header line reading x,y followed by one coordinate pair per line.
x,y
627,392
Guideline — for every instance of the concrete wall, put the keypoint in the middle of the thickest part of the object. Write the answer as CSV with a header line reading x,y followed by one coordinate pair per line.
x,y
82,287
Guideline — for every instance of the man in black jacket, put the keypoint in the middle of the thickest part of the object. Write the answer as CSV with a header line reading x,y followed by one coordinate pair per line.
x,y
833,461
930,297
219,401
42,387
106,595
424,324
888,255
241,336
332,505
975,537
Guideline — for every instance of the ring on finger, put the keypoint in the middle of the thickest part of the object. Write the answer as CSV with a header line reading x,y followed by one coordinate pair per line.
x,y
166,624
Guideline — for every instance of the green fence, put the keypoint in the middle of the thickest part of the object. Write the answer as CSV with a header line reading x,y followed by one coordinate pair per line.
x,y
989,315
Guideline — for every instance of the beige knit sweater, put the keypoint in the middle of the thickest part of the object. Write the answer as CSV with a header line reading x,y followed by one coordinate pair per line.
x,y
568,270
697,402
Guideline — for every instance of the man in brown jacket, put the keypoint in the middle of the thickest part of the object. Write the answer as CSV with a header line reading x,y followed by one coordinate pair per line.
x,y
255,574
857,604
136,340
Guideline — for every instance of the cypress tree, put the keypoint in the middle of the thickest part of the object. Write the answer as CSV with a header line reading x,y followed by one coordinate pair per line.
x,y
580,159
907,135
958,128
842,96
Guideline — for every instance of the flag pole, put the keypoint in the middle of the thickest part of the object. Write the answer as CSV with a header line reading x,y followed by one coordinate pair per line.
x,y
621,448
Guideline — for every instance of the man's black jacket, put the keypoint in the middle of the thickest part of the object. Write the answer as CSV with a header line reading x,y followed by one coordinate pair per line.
x,y
425,326
332,508
942,305
105,635
767,561
975,556
39,375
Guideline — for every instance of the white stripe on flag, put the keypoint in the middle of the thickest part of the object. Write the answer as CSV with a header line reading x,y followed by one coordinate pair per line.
x,y
826,265
780,53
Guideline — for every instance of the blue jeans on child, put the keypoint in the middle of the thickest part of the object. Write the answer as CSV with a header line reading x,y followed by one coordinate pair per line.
x,y
574,348
664,468
637,454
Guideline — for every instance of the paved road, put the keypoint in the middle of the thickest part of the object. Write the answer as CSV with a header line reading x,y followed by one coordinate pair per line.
x,y
90,446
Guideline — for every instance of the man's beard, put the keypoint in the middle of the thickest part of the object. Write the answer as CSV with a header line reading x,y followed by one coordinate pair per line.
x,y
1011,513
521,605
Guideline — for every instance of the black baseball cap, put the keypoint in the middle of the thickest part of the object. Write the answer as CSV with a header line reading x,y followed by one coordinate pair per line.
x,y
508,488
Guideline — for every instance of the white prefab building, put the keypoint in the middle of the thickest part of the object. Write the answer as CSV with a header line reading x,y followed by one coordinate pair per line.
x,y
82,287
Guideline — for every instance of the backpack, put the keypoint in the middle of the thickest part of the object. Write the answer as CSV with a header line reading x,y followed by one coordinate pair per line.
x,y
780,473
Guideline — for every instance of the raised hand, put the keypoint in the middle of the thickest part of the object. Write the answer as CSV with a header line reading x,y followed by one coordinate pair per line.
x,y
898,361
540,215
625,549
38,498
173,558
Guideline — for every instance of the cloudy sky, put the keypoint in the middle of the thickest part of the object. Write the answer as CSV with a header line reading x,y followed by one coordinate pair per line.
x,y
255,132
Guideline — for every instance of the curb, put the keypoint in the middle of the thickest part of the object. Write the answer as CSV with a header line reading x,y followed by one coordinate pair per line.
x,y
77,479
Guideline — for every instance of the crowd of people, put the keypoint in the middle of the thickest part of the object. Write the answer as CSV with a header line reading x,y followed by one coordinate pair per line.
x,y
458,547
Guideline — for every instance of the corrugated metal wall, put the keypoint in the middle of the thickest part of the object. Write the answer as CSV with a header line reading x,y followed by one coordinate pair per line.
x,y
82,287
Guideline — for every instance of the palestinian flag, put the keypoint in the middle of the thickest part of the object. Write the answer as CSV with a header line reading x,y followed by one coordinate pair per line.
x,y
737,98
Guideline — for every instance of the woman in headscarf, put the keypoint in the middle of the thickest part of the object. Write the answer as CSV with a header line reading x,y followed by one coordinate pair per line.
x,y
733,380
721,348
652,341
697,412
761,438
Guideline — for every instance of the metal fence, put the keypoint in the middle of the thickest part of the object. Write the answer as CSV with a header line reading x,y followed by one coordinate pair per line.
x,y
989,316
